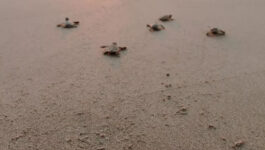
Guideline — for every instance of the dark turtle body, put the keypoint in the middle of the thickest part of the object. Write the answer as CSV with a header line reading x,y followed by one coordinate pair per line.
x,y
109,53
70,26
215,32
166,18
155,27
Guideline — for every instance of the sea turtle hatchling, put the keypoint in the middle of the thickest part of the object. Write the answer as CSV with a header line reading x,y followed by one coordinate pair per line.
x,y
215,32
113,49
155,27
68,24
166,18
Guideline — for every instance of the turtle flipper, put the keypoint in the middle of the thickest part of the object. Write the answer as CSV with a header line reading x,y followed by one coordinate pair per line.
x,y
76,22
60,25
151,30
221,33
122,48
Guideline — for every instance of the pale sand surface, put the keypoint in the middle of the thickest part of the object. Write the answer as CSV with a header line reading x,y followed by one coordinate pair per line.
x,y
58,92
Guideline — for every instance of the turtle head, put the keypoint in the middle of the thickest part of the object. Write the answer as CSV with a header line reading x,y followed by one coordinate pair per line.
x,y
148,25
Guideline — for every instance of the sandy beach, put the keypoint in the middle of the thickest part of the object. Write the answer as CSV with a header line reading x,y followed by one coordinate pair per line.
x,y
172,90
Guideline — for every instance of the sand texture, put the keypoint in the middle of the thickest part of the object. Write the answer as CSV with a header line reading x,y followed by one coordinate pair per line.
x,y
172,90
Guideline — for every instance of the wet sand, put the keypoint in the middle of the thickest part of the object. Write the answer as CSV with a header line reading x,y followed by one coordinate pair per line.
x,y
57,90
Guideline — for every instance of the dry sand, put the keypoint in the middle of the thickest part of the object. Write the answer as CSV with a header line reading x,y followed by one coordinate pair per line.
x,y
58,92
